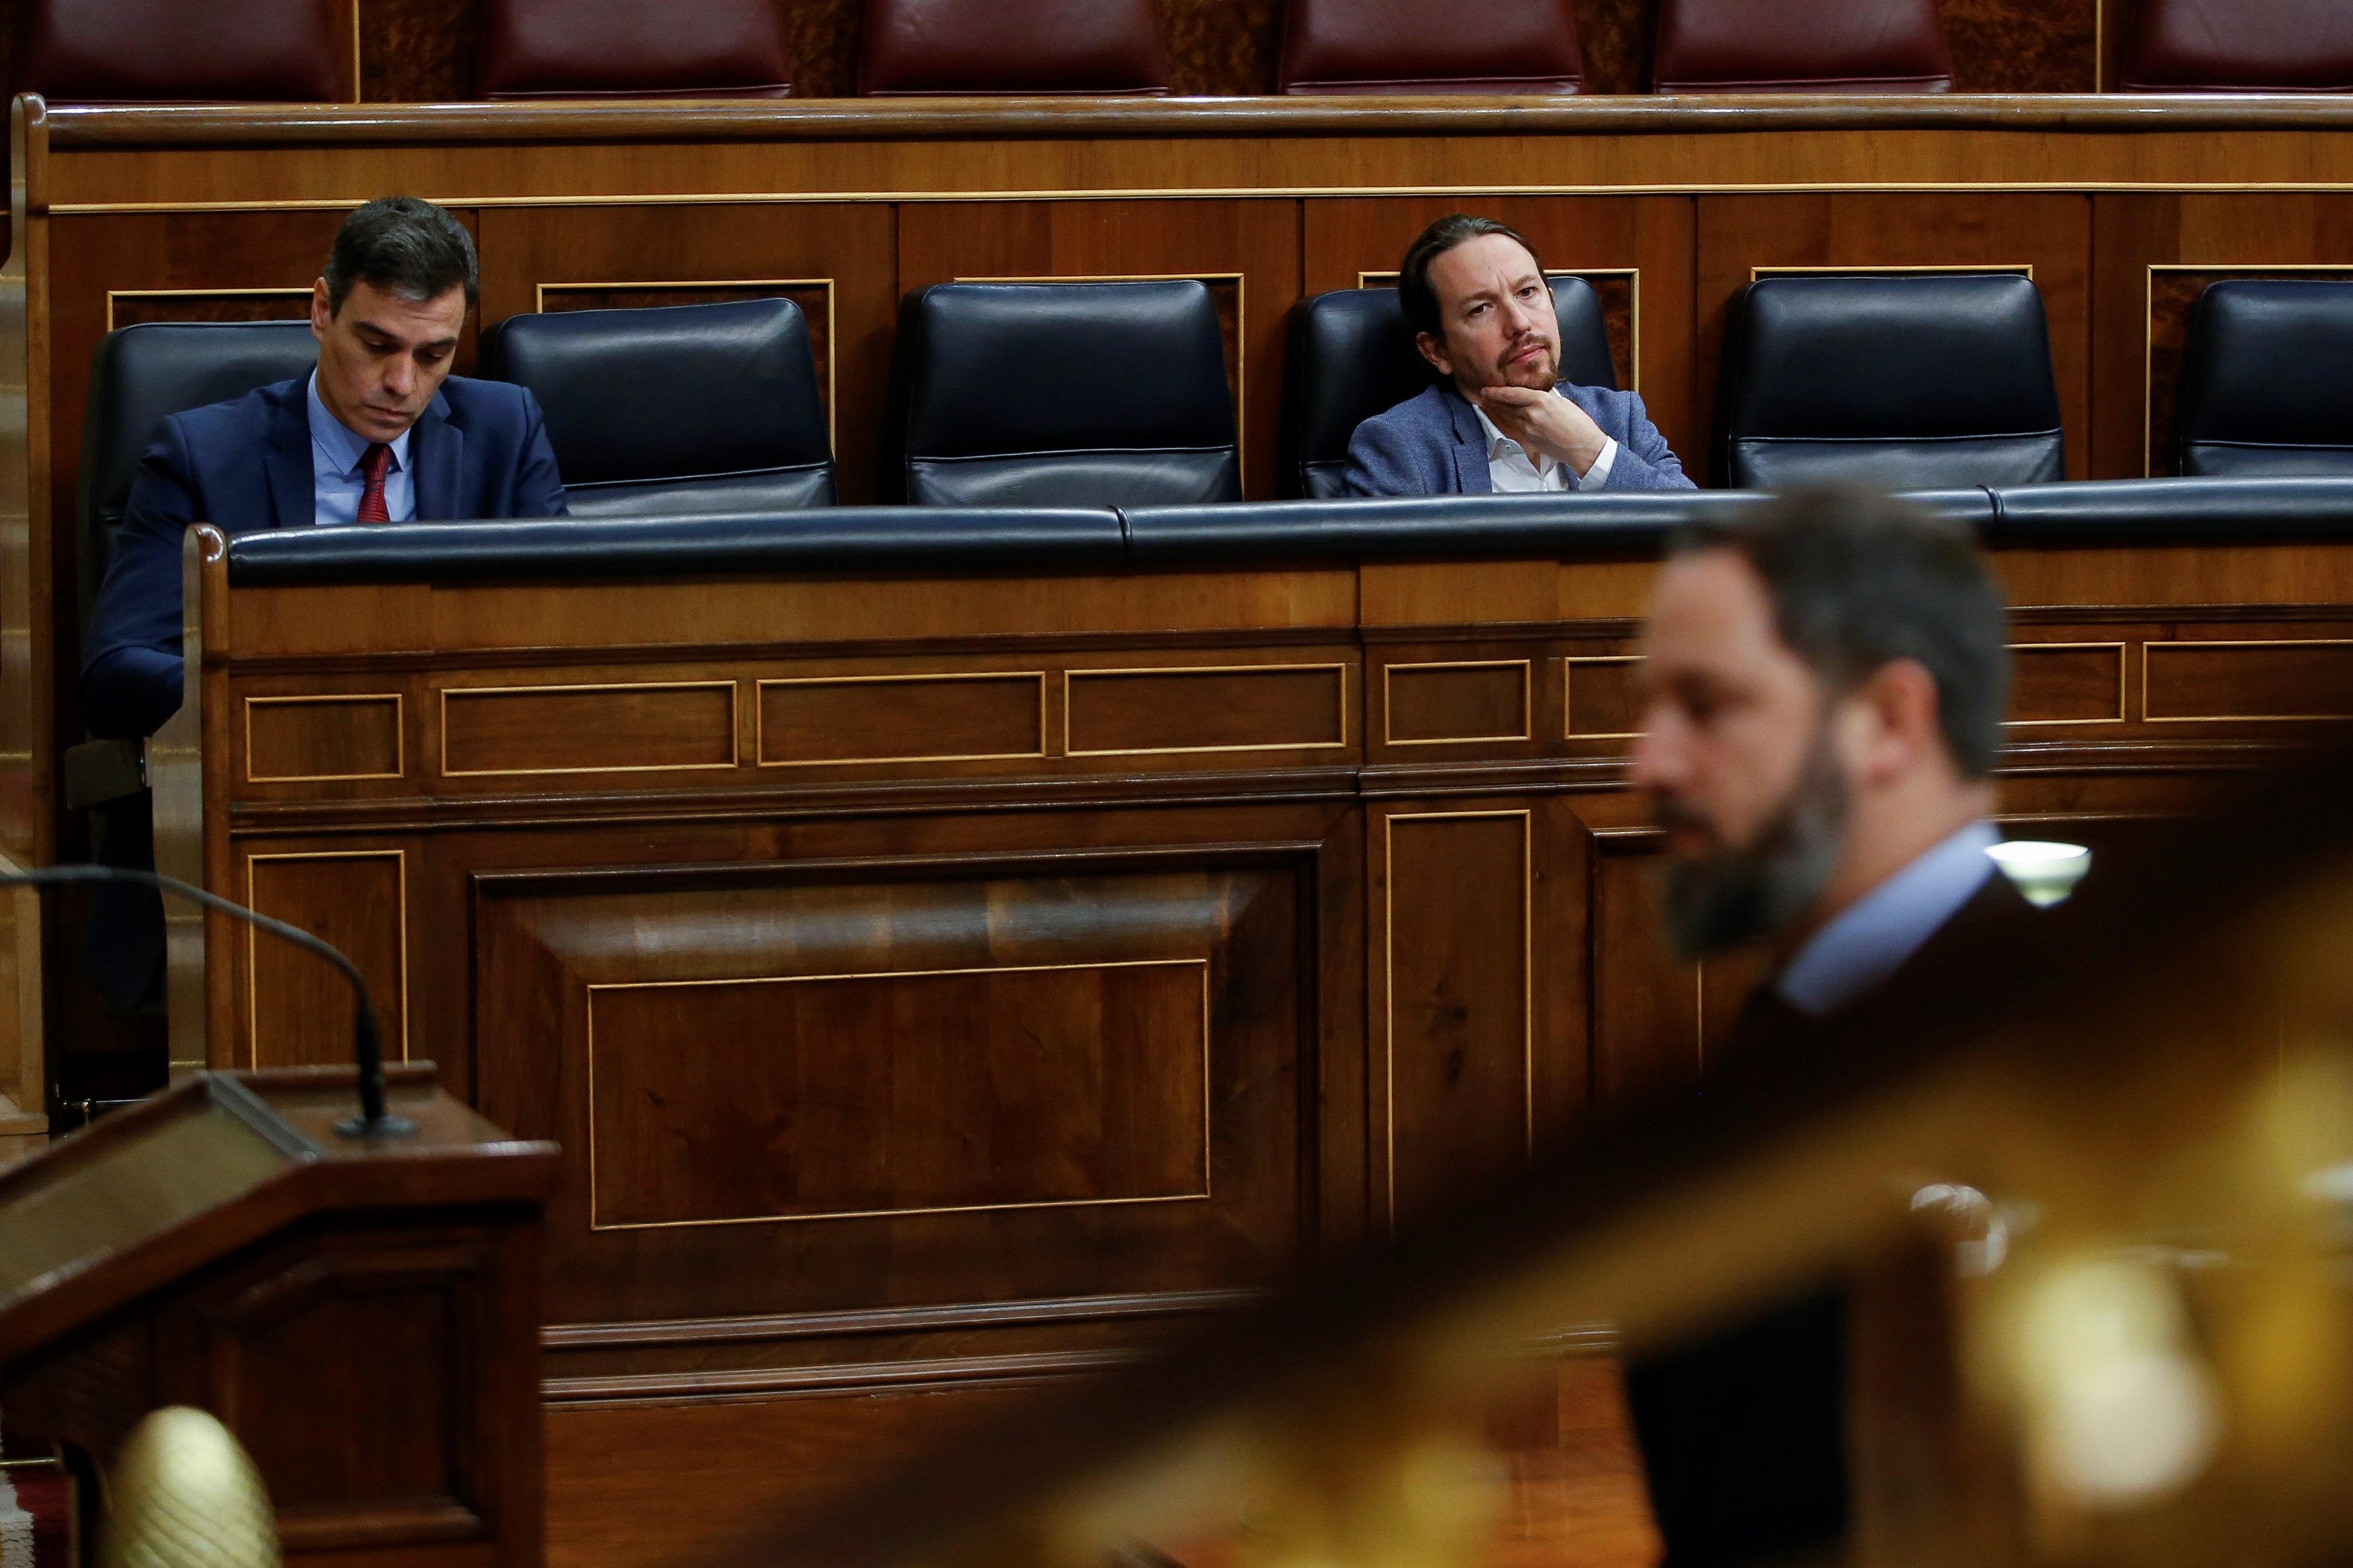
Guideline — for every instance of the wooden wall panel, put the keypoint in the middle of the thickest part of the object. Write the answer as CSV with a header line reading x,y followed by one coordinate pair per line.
x,y
2006,46
1257,240
836,257
299,1009
2155,254
1650,237
1895,231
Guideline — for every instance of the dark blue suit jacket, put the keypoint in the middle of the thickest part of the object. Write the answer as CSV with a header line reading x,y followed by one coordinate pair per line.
x,y
479,449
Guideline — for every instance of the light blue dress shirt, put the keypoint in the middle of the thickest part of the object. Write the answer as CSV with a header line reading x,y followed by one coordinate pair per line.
x,y
1870,939
336,482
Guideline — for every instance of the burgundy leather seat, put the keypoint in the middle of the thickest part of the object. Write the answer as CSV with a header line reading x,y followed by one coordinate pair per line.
x,y
1802,46
622,49
149,51
989,47
1413,46
2238,46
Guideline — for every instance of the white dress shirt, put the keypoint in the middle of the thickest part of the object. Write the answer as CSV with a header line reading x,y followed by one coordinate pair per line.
x,y
1510,470
336,482
1870,939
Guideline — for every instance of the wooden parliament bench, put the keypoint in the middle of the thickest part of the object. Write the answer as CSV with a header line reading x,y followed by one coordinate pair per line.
x,y
952,948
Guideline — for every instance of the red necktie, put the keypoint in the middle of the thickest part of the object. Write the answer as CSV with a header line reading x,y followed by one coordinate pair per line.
x,y
374,463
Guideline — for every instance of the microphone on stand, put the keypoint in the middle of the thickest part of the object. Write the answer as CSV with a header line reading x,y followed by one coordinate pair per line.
x,y
367,1051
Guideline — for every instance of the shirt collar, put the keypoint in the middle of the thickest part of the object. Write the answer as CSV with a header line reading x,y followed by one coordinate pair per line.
x,y
342,447
1870,939
1497,440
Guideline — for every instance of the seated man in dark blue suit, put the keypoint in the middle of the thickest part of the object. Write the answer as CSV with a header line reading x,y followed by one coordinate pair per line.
x,y
1500,418
380,432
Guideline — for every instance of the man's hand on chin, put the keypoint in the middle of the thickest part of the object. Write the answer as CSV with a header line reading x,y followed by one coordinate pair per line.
x,y
1545,422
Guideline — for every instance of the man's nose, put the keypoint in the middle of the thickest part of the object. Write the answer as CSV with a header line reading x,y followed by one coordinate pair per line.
x,y
1516,316
400,377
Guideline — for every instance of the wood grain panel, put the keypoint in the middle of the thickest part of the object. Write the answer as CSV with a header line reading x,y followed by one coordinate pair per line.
x,y
1430,704
1637,250
574,257
633,727
1604,699
907,718
1646,1002
1255,242
1460,1044
1232,708
299,1009
296,738
1889,230
2081,683
2203,680
131,307
2019,46
900,1093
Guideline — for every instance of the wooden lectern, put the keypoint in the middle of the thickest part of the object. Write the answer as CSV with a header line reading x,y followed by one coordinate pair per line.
x,y
363,1315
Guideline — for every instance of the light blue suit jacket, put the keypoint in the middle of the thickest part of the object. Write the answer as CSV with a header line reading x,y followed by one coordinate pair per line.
x,y
1432,444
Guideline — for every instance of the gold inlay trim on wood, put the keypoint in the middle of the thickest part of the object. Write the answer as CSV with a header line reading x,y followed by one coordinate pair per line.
x,y
760,718
1864,270
1071,676
1388,976
832,339
269,293
1205,1194
1633,275
399,735
1527,702
734,728
399,858
2148,332
2151,649
1568,731
2017,648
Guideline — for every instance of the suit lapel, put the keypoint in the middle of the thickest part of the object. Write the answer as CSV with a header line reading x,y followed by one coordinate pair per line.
x,y
294,490
437,449
1470,476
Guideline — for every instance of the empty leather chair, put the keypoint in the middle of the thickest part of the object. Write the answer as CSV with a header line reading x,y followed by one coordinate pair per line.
x,y
1412,45
149,51
2267,381
138,375
2237,46
616,49
1920,381
1351,356
681,408
989,46
1062,394
1802,46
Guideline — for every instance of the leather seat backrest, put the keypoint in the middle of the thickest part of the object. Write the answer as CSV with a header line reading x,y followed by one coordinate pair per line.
x,y
1412,45
150,51
1913,381
2267,380
989,47
1062,394
1802,46
679,408
1351,356
143,373
2237,46
642,49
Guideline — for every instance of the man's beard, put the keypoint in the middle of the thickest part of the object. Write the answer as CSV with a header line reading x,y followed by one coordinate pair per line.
x,y
1746,894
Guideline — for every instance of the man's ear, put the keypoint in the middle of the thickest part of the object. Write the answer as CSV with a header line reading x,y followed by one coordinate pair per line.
x,y
1433,349
321,313
1899,702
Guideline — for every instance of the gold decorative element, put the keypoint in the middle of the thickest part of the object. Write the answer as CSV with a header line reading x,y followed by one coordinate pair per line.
x,y
272,294
2018,649
832,339
1633,275
1070,677
2024,270
760,718
2148,330
1527,698
399,858
399,736
184,1494
734,729
596,1225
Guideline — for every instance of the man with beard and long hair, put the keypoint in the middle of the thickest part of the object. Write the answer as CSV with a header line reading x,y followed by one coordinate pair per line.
x,y
1498,418
1824,689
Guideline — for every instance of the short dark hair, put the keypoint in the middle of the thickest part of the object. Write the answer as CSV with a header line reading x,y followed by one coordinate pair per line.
x,y
1859,579
1414,292
409,247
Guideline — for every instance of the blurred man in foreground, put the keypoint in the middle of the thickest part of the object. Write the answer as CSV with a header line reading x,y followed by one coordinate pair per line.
x,y
1824,694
